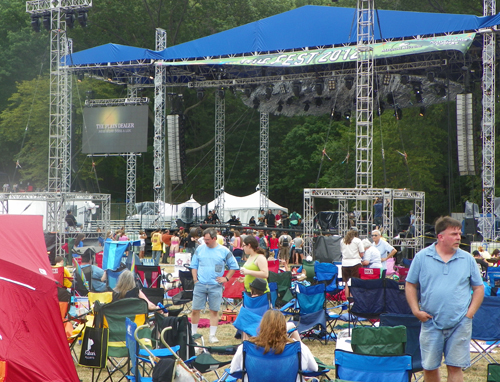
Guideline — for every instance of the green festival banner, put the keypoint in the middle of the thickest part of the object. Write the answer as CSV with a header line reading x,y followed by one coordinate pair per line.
x,y
460,42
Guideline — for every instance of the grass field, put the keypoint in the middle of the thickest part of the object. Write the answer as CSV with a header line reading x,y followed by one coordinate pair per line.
x,y
225,334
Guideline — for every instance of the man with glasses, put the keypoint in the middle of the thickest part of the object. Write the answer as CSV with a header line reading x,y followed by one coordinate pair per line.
x,y
386,250
446,276
207,266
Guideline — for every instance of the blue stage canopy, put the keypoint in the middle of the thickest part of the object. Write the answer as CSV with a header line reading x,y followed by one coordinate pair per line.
x,y
305,27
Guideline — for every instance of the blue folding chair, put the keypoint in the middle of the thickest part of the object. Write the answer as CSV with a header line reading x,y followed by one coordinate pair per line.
x,y
139,354
395,297
486,327
493,275
327,273
369,368
248,319
413,326
312,312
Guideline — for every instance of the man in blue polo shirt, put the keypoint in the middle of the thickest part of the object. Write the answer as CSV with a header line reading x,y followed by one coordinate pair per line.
x,y
446,276
207,267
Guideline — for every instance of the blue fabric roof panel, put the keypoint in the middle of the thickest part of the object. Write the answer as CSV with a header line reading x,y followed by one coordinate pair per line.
x,y
104,54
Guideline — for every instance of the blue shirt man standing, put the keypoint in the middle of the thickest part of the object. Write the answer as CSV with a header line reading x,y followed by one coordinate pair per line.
x,y
446,276
207,267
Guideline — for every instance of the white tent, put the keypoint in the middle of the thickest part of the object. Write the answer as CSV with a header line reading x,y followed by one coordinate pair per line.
x,y
147,211
244,207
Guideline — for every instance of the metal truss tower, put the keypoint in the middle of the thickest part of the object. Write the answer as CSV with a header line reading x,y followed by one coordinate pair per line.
x,y
131,167
59,166
264,161
364,109
159,128
488,126
220,140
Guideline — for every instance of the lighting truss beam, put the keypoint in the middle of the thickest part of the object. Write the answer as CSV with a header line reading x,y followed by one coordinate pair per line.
x,y
159,126
117,101
488,126
264,161
220,139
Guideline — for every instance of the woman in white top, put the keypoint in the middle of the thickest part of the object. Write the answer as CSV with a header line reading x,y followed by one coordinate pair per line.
x,y
273,335
352,253
371,258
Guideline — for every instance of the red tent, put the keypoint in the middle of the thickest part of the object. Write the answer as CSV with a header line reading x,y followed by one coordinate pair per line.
x,y
33,345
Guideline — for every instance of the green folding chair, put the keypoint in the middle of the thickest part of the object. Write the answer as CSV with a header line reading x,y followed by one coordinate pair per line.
x,y
493,372
382,341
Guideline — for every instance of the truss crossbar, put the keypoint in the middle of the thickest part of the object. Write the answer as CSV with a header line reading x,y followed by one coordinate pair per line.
x,y
488,127
220,140
41,6
133,100
264,161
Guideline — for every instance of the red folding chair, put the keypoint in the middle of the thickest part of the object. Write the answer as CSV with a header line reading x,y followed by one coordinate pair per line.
x,y
369,273
233,291
273,266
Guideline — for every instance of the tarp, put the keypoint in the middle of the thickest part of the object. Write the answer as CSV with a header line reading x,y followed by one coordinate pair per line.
x,y
244,207
305,27
327,249
33,343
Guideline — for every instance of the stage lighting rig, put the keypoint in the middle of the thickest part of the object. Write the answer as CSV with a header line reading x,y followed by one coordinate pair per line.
x,y
332,84
221,92
318,101
398,113
422,111
247,90
289,101
256,103
82,18
431,76
269,91
387,79
405,78
306,105
347,115
46,19
70,18
200,93
280,107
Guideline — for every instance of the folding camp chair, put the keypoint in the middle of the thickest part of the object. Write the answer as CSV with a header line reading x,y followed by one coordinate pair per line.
x,y
327,273
233,290
395,297
140,351
493,372
412,325
250,315
486,329
284,281
273,266
113,316
370,368
308,266
493,275
179,335
370,273
368,297
150,276
312,312
185,295
383,340
270,367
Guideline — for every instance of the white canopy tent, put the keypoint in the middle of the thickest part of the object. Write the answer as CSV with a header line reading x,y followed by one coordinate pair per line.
x,y
170,212
244,207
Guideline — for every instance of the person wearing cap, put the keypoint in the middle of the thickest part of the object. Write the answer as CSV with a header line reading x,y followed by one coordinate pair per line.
x,y
256,264
451,292
258,287
371,258
352,253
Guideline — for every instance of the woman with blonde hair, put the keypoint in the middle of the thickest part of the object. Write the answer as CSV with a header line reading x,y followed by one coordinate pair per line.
x,y
272,335
126,287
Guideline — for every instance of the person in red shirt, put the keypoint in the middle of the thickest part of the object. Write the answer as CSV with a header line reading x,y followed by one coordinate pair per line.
x,y
166,239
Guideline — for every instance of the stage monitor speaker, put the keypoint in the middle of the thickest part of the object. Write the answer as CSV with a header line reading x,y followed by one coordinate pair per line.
x,y
470,226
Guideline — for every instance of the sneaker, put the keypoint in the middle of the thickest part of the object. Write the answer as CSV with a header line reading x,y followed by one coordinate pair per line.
x,y
213,340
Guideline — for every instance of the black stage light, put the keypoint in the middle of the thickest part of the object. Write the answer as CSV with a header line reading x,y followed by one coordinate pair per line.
x,y
337,116
200,93
306,106
280,107
332,84
289,101
441,91
349,82
221,92
390,99
35,23
387,79
318,101
80,76
418,97
405,78
380,109
422,111
256,103
318,86
269,91
82,18
247,90
70,19
347,115
430,76
46,19
296,88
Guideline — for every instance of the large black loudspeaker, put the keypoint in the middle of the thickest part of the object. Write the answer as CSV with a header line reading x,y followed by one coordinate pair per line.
x,y
470,227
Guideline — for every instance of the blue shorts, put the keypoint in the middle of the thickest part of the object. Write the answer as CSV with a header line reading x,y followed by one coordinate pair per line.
x,y
204,292
454,343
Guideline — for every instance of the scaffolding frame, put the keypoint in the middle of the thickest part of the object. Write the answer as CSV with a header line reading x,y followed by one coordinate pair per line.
x,y
344,195
264,161
488,126
220,140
